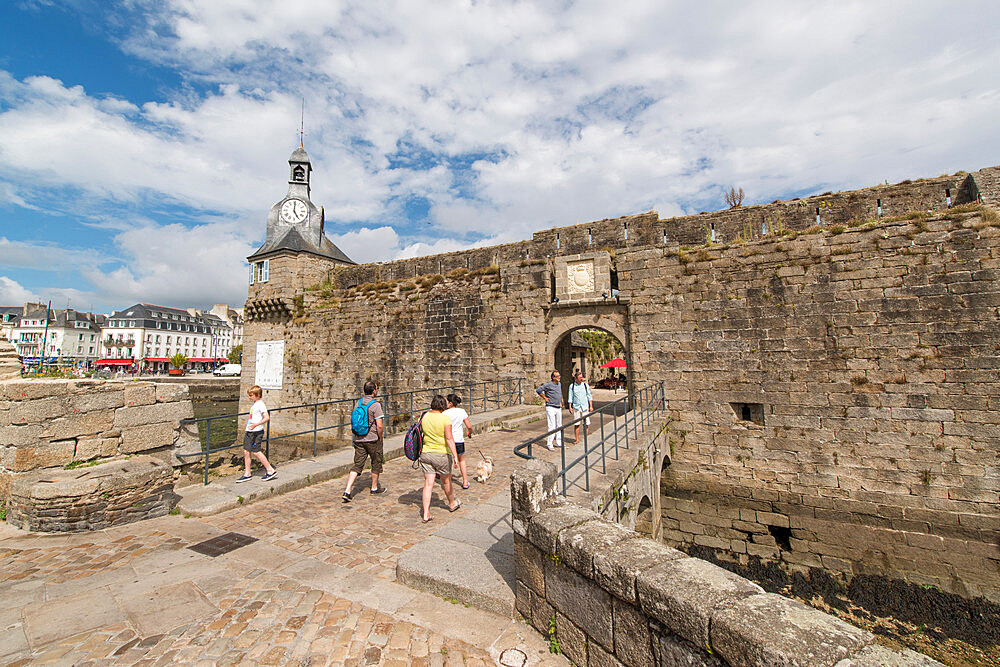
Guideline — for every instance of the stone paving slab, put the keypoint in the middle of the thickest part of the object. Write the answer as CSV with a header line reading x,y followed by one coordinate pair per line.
x,y
223,495
449,568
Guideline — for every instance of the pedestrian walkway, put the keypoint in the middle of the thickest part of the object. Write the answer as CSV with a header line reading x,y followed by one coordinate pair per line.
x,y
317,586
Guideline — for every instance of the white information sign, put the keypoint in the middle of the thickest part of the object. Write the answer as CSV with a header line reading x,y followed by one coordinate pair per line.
x,y
270,364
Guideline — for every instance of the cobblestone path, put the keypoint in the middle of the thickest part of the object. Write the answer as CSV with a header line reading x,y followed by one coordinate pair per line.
x,y
316,588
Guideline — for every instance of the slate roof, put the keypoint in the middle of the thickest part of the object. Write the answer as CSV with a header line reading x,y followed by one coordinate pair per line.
x,y
293,241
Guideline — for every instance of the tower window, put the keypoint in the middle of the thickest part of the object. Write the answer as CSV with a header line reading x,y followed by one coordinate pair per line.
x,y
299,174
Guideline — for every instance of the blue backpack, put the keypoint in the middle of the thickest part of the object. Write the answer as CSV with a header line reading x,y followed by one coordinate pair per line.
x,y
359,418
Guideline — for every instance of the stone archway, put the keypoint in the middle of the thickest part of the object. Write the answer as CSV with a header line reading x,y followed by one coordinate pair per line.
x,y
562,321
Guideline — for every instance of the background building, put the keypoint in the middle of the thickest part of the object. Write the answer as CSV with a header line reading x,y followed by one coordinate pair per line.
x,y
69,336
146,336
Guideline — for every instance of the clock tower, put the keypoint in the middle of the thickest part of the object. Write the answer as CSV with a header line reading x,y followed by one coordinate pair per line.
x,y
294,223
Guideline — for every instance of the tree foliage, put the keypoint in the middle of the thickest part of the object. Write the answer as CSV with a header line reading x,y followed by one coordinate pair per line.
x,y
236,354
178,360
603,347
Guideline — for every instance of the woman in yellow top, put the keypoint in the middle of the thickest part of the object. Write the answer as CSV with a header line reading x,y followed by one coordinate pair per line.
x,y
437,456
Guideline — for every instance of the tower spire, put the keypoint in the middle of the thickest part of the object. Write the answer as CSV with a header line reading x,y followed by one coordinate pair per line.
x,y
302,122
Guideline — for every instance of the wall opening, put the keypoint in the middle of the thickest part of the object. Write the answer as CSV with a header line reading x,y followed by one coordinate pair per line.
x,y
749,412
782,536
644,519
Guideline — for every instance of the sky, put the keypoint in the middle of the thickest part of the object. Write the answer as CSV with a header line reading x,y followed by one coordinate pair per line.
x,y
142,142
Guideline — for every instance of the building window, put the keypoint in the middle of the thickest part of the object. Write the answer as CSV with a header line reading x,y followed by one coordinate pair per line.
x,y
253,272
263,270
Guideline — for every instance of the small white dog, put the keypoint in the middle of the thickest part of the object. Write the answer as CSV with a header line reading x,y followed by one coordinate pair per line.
x,y
484,469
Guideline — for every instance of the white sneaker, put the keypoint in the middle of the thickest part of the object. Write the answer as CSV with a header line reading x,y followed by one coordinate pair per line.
x,y
551,448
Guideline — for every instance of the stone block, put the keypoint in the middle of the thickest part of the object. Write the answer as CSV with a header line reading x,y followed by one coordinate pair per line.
x,y
140,394
572,640
669,649
38,410
541,613
581,600
545,526
98,400
17,436
75,426
27,390
633,642
880,656
598,657
146,414
616,567
531,487
522,600
577,545
529,565
167,392
770,629
685,593
42,454
89,448
144,438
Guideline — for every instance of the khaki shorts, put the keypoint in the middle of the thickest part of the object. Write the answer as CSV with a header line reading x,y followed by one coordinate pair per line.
x,y
365,450
434,463
577,414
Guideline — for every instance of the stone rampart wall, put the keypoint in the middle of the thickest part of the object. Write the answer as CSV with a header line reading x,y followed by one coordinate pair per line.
x,y
47,426
872,355
608,596
648,229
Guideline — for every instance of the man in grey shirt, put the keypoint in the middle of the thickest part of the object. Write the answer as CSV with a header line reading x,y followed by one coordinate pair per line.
x,y
552,393
368,445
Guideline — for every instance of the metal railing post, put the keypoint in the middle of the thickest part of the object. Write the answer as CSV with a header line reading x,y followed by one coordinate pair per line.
x,y
411,407
586,456
208,446
626,422
615,405
267,443
562,456
315,423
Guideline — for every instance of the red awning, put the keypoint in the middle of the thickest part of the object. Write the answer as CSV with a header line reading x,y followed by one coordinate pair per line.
x,y
114,362
203,360
157,359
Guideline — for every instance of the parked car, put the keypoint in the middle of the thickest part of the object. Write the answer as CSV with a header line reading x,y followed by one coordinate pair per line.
x,y
228,370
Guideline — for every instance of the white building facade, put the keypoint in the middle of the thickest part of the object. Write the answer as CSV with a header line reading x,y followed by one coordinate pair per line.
x,y
69,337
146,336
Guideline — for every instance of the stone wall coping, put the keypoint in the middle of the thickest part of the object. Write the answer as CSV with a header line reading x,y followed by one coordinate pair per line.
x,y
766,629
724,614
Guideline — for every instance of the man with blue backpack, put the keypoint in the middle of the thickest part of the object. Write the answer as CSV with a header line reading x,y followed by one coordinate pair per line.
x,y
366,431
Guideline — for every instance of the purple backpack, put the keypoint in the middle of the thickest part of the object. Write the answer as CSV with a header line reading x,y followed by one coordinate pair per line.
x,y
414,440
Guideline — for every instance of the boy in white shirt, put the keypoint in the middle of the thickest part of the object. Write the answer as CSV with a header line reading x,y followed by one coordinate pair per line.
x,y
255,436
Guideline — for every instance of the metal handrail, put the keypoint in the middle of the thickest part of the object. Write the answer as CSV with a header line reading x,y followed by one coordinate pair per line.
x,y
645,402
506,392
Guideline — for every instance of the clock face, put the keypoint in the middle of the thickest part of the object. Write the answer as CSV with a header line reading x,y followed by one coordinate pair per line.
x,y
294,210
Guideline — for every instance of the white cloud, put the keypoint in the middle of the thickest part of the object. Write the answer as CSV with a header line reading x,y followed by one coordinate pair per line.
x,y
506,117
46,257
175,265
13,294
383,243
